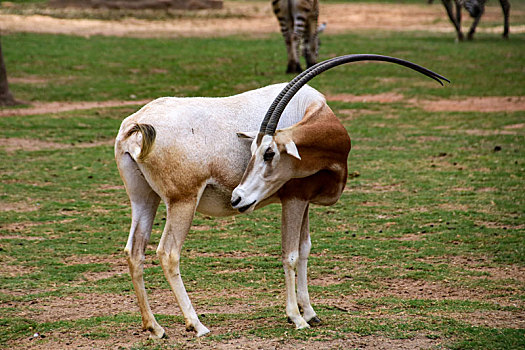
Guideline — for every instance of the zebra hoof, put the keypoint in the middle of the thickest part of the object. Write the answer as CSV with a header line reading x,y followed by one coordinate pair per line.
x,y
315,321
294,67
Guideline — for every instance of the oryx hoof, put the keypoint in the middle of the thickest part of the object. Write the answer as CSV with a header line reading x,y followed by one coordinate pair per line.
x,y
300,324
156,332
200,330
294,67
158,335
315,321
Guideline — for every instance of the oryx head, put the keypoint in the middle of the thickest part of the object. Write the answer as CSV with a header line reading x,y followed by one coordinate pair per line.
x,y
274,153
270,167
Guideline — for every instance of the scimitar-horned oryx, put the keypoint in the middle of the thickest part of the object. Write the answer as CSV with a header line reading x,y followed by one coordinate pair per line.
x,y
187,152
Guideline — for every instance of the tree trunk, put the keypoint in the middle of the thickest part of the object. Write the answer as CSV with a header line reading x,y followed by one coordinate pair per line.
x,y
6,98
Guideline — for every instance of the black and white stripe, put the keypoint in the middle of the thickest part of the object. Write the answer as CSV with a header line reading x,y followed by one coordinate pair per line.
x,y
475,8
298,22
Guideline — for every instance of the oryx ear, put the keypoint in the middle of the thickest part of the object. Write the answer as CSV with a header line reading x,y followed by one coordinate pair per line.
x,y
291,149
250,135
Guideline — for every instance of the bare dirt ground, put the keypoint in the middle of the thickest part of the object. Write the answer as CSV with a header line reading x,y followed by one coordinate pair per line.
x,y
57,107
83,305
468,104
255,18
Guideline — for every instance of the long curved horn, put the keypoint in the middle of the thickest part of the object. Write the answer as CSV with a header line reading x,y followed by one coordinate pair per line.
x,y
279,104
284,91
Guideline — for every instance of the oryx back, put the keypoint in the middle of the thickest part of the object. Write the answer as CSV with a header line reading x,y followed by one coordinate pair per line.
x,y
188,145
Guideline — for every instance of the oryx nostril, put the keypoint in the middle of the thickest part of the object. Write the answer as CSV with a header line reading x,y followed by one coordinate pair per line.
x,y
235,201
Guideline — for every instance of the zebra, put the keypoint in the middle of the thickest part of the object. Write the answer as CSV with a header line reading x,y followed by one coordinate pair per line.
x,y
298,22
475,9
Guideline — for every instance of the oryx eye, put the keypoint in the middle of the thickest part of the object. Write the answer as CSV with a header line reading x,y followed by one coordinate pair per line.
x,y
268,155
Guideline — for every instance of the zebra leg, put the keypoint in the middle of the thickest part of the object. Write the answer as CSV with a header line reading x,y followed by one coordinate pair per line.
x,y
292,50
505,6
456,20
311,44
311,34
299,35
292,46
285,19
472,30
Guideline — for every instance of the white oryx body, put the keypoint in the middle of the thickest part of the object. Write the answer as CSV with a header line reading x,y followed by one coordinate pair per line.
x,y
201,133
193,164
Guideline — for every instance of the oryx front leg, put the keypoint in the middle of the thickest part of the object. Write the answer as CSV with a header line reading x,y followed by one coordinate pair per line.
x,y
178,222
303,298
292,217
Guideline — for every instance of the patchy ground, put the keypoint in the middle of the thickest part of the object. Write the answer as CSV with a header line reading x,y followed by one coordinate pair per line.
x,y
256,18
74,340
83,305
467,104
57,107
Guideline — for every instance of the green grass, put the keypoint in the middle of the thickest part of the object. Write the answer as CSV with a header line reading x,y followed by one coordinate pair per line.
x,y
438,203
105,68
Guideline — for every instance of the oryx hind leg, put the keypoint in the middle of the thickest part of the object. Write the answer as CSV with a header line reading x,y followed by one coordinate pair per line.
x,y
303,298
144,204
179,217
292,218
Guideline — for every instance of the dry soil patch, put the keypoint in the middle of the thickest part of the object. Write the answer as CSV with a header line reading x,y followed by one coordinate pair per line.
x,y
387,97
492,319
467,104
57,107
476,104
18,144
17,206
74,307
257,19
